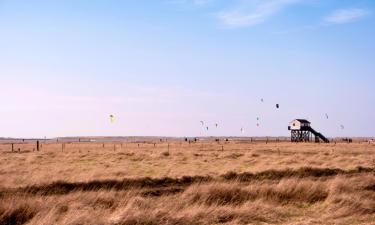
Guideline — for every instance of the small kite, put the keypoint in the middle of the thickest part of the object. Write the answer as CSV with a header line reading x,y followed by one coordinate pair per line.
x,y
242,130
202,122
342,127
327,116
258,118
206,128
277,106
112,118
262,100
216,125
257,124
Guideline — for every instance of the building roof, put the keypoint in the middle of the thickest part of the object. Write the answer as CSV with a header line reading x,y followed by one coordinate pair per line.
x,y
303,121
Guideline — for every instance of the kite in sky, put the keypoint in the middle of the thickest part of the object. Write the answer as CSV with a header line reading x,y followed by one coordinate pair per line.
x,y
112,118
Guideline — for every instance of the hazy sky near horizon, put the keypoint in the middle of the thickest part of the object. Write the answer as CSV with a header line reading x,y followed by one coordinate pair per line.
x,y
162,66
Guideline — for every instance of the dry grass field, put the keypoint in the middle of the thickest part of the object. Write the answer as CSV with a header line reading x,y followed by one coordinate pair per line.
x,y
176,182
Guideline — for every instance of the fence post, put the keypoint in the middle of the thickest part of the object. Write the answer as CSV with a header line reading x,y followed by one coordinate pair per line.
x,y
12,147
37,145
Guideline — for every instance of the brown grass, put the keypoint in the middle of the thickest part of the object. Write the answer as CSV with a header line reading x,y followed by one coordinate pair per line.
x,y
197,183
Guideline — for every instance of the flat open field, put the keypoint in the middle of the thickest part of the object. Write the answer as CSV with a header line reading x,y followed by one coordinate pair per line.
x,y
177,182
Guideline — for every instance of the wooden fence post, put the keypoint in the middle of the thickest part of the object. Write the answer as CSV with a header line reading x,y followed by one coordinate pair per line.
x,y
37,145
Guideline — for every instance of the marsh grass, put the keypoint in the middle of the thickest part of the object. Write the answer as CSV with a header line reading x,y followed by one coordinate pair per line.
x,y
247,183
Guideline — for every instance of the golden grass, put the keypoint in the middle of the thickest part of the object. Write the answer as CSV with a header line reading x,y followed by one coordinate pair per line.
x,y
234,182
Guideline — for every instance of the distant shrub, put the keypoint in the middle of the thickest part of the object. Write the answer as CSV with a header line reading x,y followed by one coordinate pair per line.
x,y
166,153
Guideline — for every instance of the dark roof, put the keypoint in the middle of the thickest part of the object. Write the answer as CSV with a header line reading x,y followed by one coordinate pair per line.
x,y
303,121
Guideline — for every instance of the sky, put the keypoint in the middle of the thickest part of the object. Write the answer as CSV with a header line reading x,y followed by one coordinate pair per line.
x,y
162,66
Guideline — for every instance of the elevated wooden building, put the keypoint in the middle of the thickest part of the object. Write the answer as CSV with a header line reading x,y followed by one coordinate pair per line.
x,y
301,131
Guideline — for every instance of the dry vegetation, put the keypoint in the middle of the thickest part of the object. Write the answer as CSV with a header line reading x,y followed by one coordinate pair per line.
x,y
236,182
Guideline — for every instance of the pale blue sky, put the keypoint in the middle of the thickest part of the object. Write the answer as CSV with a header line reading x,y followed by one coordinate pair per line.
x,y
161,66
